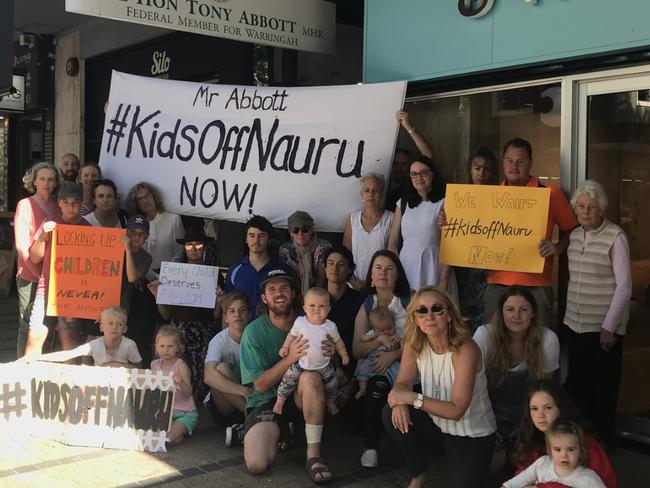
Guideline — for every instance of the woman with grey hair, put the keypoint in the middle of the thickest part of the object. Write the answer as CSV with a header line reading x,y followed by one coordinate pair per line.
x,y
598,297
367,230
165,228
42,180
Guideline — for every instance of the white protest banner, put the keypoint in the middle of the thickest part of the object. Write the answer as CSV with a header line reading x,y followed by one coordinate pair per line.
x,y
228,152
308,25
190,285
87,406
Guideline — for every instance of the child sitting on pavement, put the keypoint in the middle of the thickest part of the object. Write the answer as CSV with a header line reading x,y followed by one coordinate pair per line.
x,y
169,347
383,327
111,349
222,372
315,328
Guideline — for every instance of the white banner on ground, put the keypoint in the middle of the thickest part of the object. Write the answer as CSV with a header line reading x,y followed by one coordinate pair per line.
x,y
306,25
228,152
118,408
189,285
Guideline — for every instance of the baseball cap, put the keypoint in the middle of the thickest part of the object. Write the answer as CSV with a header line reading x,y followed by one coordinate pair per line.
x,y
276,274
137,222
71,190
300,218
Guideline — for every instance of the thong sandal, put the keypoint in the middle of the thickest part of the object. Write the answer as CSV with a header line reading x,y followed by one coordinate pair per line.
x,y
316,473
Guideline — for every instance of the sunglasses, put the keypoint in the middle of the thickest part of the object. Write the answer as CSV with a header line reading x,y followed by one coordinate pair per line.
x,y
436,309
304,229
196,245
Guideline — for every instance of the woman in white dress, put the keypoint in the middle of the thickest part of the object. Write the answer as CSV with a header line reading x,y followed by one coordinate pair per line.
x,y
415,222
367,230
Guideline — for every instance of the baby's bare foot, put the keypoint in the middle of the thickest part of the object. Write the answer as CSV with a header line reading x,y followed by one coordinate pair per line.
x,y
277,408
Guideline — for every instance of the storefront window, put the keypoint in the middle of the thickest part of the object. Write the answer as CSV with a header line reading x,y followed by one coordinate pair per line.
x,y
618,130
458,125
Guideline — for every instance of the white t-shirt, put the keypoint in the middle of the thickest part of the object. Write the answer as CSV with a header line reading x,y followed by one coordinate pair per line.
x,y
127,352
550,346
223,349
315,334
543,471
92,220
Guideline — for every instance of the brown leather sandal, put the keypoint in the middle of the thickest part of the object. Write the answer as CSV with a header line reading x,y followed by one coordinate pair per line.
x,y
313,471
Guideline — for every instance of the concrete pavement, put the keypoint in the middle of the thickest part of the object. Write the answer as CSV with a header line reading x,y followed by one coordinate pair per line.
x,y
203,460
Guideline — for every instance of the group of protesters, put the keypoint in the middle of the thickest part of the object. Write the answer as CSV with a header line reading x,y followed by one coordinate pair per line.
x,y
376,330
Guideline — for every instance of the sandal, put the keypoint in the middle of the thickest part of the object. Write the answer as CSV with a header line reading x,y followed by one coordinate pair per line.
x,y
316,473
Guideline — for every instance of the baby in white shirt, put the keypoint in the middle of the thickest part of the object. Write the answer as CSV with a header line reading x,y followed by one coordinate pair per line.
x,y
564,463
315,328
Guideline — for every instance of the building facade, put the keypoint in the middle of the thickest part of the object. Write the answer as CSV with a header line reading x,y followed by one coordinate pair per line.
x,y
564,75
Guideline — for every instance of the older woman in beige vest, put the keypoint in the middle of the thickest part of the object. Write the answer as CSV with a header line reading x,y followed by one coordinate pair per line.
x,y
600,286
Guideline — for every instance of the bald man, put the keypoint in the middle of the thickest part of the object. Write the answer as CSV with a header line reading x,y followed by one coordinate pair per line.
x,y
69,167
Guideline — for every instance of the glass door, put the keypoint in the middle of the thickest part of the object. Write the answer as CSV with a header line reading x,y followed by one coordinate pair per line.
x,y
614,149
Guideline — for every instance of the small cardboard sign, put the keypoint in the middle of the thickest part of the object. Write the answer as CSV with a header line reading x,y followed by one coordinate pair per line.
x,y
85,271
189,285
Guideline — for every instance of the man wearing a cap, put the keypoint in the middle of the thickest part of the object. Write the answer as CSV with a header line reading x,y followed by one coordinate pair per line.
x,y
262,369
305,252
245,275
70,199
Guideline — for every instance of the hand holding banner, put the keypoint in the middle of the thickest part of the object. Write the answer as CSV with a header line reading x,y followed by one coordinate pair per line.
x,y
495,227
85,271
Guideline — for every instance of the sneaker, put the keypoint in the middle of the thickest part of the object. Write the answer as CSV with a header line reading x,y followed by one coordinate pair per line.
x,y
370,458
235,435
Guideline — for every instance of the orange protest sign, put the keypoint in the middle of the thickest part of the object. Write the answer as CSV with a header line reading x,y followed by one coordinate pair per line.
x,y
85,271
495,227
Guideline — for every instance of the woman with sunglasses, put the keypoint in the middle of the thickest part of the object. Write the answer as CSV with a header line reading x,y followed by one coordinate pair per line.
x,y
387,286
165,228
305,252
196,325
516,350
416,224
453,409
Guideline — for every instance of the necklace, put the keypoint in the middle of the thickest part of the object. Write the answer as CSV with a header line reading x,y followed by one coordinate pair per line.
x,y
436,387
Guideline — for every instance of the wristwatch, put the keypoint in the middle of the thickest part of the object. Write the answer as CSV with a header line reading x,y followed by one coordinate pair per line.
x,y
417,403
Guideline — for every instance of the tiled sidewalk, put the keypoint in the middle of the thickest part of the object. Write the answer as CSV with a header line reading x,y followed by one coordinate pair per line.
x,y
203,460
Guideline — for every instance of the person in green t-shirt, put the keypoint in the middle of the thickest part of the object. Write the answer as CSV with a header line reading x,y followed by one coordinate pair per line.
x,y
262,369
